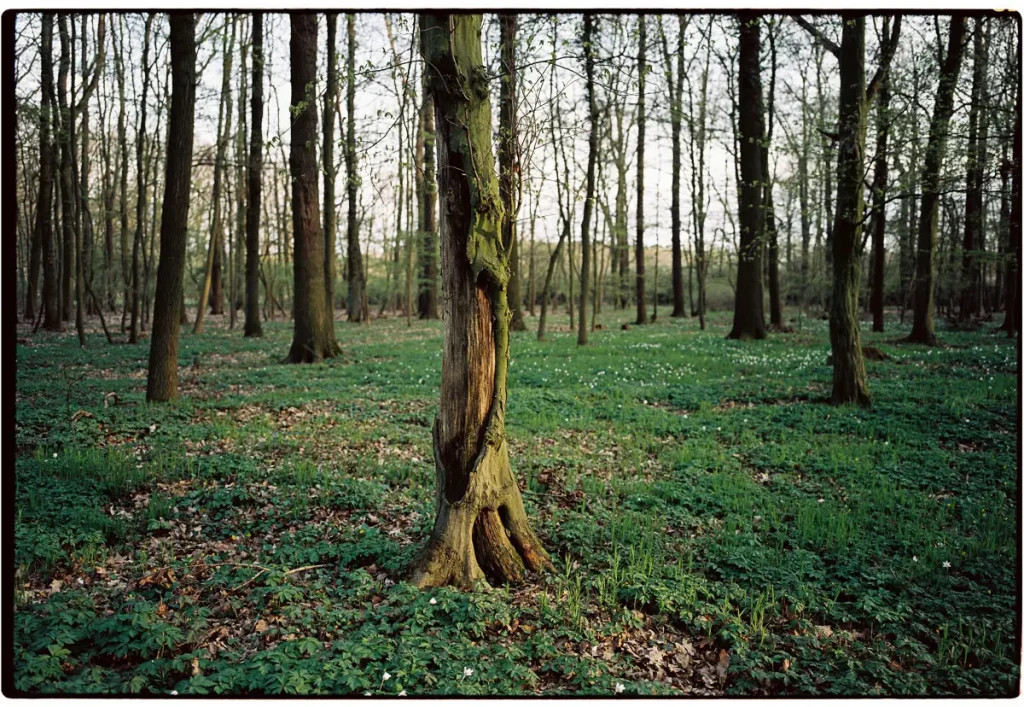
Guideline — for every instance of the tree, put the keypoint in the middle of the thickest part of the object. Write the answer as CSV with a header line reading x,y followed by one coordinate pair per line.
x,y
923,331
140,201
330,171
1011,323
771,236
748,315
428,247
162,382
675,90
588,204
357,310
313,333
480,530
698,202
211,291
849,379
47,171
977,157
641,118
253,326
878,191
508,161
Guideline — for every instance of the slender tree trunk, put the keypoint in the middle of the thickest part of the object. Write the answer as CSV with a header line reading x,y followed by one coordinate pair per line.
x,y
748,315
330,171
770,227
211,281
162,383
924,290
974,209
675,101
481,530
508,164
122,140
879,192
253,326
641,121
67,188
47,170
140,201
588,204
356,284
1011,322
313,338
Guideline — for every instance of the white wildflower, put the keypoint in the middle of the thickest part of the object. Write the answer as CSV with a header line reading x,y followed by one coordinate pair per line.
x,y
433,600
387,676
619,687
947,564
466,672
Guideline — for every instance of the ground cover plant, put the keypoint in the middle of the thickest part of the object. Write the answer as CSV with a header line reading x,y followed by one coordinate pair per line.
x,y
716,528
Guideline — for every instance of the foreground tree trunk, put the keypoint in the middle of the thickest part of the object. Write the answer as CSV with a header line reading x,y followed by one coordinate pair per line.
x,y
641,119
253,326
748,315
162,384
313,338
849,379
923,331
357,310
480,530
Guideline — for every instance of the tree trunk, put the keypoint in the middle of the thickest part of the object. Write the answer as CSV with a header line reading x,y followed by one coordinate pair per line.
x,y
974,208
140,202
770,227
641,120
356,284
748,315
1011,322
253,326
923,331
162,384
879,192
428,249
588,204
675,101
47,173
508,164
313,338
480,530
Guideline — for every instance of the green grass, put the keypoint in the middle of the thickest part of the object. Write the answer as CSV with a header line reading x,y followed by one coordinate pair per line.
x,y
716,528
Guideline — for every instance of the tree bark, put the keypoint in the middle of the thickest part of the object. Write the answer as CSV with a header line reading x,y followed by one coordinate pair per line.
x,y
162,383
253,325
974,209
356,285
641,120
508,161
879,192
47,173
748,314
313,335
480,530
588,204
140,202
330,172
923,331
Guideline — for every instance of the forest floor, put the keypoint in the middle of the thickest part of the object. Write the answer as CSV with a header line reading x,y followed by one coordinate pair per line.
x,y
716,528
